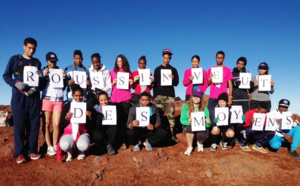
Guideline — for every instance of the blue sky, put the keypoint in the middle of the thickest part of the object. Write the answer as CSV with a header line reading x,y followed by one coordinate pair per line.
x,y
259,30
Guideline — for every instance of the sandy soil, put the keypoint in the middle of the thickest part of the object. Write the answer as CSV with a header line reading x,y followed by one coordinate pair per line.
x,y
165,165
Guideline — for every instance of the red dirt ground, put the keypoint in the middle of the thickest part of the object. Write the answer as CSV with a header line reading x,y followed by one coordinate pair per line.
x,y
163,166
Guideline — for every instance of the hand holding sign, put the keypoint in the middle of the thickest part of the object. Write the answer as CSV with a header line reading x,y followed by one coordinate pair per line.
x,y
97,80
144,76
79,112
236,114
222,114
198,121
264,82
258,121
217,74
30,76
198,75
245,79
165,79
110,115
271,123
80,78
56,78
143,116
123,80
287,121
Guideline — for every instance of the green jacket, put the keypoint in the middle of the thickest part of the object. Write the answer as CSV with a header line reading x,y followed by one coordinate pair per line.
x,y
184,117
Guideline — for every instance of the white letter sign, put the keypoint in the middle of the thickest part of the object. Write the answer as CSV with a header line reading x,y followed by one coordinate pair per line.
x,y
198,121
97,80
109,115
143,115
221,113
56,78
259,120
198,75
80,78
245,79
123,80
271,123
30,76
144,76
79,112
264,82
165,79
287,121
236,114
217,74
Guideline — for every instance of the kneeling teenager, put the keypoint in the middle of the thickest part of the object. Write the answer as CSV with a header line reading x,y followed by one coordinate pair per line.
x,y
194,105
152,133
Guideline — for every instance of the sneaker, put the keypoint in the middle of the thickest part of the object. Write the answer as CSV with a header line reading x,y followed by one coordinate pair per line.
x,y
188,151
213,147
294,154
51,151
81,156
174,138
200,147
20,159
245,148
224,145
260,149
136,147
34,156
148,146
69,156
111,150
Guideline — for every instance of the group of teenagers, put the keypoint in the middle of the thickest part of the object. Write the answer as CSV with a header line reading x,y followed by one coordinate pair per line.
x,y
74,140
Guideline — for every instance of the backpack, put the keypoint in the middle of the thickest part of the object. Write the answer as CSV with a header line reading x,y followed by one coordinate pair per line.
x,y
21,65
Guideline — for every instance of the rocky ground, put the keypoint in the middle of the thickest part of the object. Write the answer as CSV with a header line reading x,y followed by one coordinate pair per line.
x,y
166,165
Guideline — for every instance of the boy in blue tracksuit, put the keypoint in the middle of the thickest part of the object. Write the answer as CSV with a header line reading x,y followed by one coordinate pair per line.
x,y
76,66
292,136
25,102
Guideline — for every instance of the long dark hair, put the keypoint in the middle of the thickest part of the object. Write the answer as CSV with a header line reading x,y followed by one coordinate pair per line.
x,y
125,64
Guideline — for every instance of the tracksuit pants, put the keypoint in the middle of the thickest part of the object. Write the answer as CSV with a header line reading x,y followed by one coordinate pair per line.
x,y
26,116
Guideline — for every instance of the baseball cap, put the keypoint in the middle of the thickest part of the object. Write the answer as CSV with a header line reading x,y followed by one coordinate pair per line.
x,y
198,93
263,65
284,103
51,56
167,51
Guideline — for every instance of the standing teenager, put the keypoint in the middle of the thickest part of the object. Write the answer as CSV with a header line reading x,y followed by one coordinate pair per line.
x,y
121,97
259,96
218,88
188,79
165,95
25,102
138,89
52,103
76,66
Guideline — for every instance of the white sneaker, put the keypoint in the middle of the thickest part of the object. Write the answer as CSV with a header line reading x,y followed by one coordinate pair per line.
x,y
188,151
200,147
69,156
51,151
81,156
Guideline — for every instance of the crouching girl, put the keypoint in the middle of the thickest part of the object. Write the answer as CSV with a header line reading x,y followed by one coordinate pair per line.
x,y
194,105
67,143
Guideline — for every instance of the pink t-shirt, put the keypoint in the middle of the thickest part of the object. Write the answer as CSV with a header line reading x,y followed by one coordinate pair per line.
x,y
119,95
218,88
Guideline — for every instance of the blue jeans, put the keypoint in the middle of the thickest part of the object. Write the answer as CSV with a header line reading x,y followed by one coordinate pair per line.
x,y
276,141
